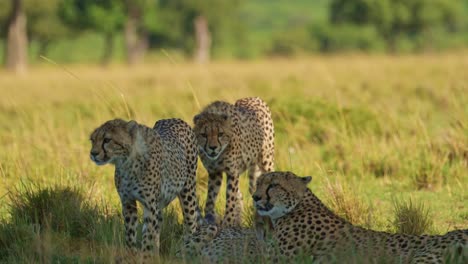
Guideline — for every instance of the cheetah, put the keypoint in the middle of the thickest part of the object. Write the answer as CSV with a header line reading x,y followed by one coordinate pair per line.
x,y
303,225
153,167
233,138
215,244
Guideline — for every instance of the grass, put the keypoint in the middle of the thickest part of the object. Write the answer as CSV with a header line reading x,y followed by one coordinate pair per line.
x,y
369,129
412,219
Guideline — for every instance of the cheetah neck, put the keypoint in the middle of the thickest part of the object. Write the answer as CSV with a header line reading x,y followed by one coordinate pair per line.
x,y
140,146
312,203
138,150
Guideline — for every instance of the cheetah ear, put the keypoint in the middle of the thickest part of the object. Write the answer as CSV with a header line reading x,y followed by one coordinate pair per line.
x,y
131,126
306,180
196,118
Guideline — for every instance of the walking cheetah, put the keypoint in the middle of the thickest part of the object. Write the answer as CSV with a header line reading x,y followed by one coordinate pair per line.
x,y
304,225
152,166
232,139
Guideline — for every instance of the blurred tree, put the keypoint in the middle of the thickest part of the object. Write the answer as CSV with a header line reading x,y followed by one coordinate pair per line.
x,y
16,48
202,21
142,17
44,24
104,16
111,16
395,18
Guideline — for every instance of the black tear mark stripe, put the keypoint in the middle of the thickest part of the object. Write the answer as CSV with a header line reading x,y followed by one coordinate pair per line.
x,y
219,142
118,144
268,190
103,148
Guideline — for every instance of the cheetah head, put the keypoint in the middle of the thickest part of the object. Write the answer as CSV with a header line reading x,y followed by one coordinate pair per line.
x,y
278,193
112,140
213,132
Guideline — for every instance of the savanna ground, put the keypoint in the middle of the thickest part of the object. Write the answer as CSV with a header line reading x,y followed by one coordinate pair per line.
x,y
384,137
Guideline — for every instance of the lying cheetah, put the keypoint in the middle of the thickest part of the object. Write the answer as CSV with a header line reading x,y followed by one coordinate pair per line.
x,y
152,166
303,225
232,139
215,244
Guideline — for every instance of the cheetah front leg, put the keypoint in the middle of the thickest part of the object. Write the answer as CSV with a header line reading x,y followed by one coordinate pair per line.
x,y
214,183
233,213
130,215
152,218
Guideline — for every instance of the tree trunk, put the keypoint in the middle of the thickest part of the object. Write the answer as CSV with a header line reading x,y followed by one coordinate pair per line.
x,y
16,48
108,49
202,40
135,41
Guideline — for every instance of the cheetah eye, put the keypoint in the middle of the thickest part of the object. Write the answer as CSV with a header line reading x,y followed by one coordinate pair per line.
x,y
106,140
220,134
203,134
273,185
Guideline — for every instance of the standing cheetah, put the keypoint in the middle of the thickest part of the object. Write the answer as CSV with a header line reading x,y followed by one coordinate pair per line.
x,y
303,225
152,166
232,139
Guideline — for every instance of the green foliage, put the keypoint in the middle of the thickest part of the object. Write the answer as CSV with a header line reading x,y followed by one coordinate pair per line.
x,y
105,16
244,29
346,37
394,19
43,22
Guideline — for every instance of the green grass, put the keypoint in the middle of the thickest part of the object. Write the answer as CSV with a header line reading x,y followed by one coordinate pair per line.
x,y
369,129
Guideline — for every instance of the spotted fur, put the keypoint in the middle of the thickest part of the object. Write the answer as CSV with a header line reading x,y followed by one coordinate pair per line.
x,y
153,167
233,138
304,225
215,244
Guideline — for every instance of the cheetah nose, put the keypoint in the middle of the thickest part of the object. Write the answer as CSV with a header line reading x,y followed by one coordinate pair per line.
x,y
212,147
94,153
256,198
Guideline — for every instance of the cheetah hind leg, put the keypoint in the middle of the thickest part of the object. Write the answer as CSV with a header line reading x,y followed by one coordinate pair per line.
x,y
190,208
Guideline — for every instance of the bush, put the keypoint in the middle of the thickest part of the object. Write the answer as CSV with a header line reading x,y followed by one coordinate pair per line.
x,y
411,219
49,224
15,237
61,209
348,206
347,37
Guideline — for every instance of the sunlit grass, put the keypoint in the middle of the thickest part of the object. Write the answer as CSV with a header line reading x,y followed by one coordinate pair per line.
x,y
378,127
